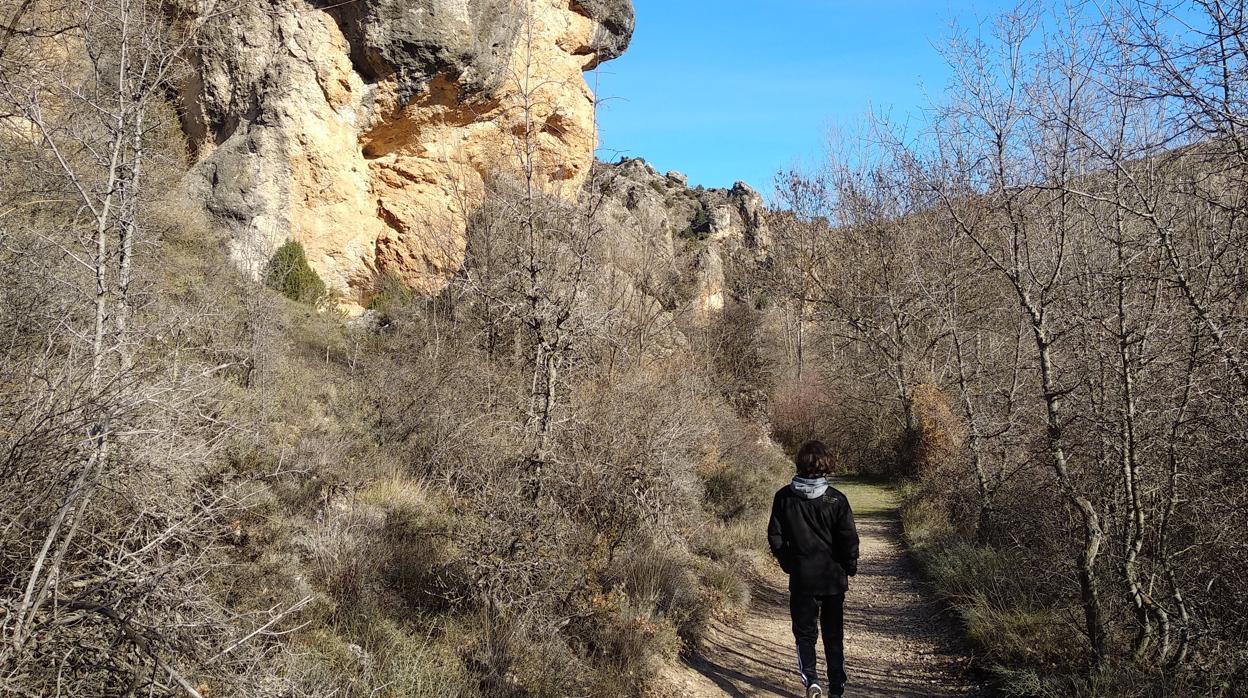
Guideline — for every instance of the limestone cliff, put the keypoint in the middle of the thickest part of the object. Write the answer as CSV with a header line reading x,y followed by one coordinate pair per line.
x,y
367,130
705,240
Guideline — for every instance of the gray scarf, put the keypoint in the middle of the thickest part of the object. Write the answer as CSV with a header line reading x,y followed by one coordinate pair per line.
x,y
810,488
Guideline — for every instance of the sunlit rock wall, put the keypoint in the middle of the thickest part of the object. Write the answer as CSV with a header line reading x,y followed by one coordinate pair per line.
x,y
367,130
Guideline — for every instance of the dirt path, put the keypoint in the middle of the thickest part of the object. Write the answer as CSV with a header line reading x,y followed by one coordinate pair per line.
x,y
896,642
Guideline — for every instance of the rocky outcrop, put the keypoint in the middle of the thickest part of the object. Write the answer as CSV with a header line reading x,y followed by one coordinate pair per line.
x,y
703,242
367,130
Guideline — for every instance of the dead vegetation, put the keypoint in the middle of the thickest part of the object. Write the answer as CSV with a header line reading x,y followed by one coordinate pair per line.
x,y
207,489
1033,307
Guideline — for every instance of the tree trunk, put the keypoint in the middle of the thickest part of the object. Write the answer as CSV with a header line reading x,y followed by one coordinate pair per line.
x,y
1093,534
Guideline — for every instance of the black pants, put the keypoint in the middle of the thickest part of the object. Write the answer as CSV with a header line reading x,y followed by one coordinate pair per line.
x,y
810,614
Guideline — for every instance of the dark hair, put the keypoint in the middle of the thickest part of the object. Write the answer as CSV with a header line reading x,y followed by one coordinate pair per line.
x,y
812,459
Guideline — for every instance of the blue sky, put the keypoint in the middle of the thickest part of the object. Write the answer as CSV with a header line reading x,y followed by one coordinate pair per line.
x,y
738,89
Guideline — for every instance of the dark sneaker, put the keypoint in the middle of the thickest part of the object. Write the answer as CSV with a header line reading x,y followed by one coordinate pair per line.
x,y
813,691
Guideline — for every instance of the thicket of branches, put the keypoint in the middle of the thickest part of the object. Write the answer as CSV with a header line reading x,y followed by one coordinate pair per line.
x,y
530,485
1035,304
114,408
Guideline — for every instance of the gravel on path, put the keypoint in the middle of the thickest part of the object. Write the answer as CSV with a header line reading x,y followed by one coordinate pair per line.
x,y
897,642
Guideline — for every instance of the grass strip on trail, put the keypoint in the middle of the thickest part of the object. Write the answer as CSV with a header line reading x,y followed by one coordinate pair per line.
x,y
869,498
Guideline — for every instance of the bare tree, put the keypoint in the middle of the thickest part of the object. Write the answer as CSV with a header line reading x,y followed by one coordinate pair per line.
x,y
112,597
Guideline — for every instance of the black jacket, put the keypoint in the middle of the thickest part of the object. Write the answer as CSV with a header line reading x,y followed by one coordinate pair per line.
x,y
814,540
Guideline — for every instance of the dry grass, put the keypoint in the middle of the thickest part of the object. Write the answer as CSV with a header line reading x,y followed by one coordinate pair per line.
x,y
1025,642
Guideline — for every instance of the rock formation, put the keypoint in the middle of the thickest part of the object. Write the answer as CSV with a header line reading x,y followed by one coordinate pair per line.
x,y
367,130
699,236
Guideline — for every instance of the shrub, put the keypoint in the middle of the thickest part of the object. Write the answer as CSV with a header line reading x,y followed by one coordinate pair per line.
x,y
339,554
731,491
416,521
510,658
390,295
661,584
727,584
386,661
936,441
741,485
699,227
1017,626
743,348
799,411
289,273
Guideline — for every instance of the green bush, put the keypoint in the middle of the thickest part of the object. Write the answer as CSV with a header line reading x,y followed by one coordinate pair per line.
x,y
392,294
289,272
699,227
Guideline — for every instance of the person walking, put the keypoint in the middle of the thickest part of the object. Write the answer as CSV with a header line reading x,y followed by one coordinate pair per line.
x,y
812,535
